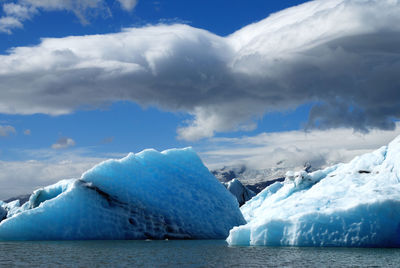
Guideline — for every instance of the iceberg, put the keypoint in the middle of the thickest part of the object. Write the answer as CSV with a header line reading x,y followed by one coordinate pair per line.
x,y
3,212
11,208
241,192
354,205
149,195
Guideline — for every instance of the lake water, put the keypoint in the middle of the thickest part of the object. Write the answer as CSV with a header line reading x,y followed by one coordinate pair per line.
x,y
186,254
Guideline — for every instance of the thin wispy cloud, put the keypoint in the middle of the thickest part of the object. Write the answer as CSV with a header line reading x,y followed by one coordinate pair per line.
x,y
128,5
342,56
40,167
107,140
6,130
16,13
63,143
22,177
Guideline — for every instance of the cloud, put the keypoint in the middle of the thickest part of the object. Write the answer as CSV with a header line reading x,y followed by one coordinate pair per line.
x,y
63,143
128,5
340,56
7,130
22,177
8,23
48,167
107,140
292,149
16,12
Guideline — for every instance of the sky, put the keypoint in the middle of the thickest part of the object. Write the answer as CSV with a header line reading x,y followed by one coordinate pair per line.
x,y
242,82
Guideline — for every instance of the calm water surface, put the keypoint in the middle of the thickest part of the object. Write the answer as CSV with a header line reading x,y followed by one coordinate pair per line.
x,y
185,254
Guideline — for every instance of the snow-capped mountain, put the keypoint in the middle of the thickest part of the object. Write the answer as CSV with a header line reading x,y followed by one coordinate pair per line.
x,y
257,179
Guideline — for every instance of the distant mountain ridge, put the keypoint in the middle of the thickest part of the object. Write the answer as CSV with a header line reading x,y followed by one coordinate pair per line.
x,y
257,179
22,199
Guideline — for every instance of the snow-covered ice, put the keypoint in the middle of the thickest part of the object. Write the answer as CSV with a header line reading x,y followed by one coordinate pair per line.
x,y
149,195
354,204
238,190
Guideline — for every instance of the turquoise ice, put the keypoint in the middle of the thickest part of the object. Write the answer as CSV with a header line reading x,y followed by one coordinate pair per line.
x,y
355,204
149,195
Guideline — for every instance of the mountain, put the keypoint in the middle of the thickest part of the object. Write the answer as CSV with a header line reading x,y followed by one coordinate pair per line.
x,y
257,179
22,199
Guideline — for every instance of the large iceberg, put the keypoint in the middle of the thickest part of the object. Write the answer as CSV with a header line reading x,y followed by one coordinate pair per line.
x,y
355,204
149,195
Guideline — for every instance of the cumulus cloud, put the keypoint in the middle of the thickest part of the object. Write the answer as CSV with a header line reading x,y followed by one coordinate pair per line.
x,y
16,12
7,130
342,56
292,149
63,143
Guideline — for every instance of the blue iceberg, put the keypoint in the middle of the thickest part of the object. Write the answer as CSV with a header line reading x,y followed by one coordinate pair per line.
x,y
149,195
353,205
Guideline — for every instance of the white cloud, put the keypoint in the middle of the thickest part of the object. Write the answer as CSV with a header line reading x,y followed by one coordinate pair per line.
x,y
16,12
294,148
63,143
19,11
48,167
128,4
22,177
7,130
8,23
342,56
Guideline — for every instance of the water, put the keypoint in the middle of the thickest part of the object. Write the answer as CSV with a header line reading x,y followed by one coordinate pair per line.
x,y
185,254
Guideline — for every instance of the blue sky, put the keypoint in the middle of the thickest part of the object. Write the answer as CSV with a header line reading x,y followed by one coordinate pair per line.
x,y
163,74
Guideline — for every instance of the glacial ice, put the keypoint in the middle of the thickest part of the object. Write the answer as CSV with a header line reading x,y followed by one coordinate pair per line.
x,y
241,192
3,212
355,204
149,195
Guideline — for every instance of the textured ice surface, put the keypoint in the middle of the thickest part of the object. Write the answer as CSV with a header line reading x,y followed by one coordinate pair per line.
x,y
241,193
12,207
354,204
3,212
148,195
